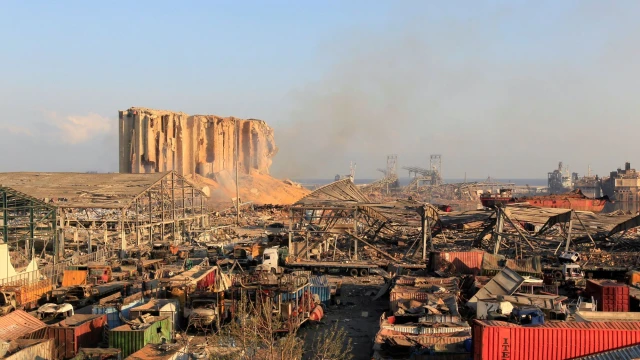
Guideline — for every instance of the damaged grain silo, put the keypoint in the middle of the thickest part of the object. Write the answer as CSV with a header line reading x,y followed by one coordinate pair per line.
x,y
158,140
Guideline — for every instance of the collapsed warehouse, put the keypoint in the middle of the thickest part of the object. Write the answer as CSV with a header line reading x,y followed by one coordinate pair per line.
x,y
52,217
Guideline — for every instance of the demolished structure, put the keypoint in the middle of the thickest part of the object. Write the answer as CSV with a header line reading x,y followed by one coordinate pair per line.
x,y
207,149
157,141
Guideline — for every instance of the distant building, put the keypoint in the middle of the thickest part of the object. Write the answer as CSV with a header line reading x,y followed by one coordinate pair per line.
x,y
623,185
559,181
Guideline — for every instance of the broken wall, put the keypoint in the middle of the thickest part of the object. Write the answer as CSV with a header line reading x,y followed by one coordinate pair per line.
x,y
158,141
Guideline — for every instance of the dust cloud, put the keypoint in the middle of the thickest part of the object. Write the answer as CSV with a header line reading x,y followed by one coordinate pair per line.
x,y
490,104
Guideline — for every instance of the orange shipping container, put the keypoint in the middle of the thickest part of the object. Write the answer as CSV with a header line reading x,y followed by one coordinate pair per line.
x,y
465,262
497,340
28,295
74,277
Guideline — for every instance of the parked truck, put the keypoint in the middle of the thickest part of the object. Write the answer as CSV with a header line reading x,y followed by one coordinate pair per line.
x,y
565,274
24,296
247,252
273,261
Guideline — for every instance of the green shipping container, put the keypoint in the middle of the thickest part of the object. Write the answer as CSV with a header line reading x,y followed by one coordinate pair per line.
x,y
130,339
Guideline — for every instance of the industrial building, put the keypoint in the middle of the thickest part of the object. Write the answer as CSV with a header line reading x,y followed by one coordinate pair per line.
x,y
51,215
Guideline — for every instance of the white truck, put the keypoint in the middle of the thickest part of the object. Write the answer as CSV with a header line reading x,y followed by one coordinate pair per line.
x,y
273,262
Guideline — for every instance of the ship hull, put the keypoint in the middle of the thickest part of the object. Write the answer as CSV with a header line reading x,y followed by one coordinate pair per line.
x,y
593,205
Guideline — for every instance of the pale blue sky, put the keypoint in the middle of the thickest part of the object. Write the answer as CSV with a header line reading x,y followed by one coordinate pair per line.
x,y
500,88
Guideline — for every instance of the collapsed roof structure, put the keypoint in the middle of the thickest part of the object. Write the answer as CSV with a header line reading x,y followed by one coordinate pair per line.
x,y
41,211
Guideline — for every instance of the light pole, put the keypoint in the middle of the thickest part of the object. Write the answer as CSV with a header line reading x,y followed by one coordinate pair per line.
x,y
237,124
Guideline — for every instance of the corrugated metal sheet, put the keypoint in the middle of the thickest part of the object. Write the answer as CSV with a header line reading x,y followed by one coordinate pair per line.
x,y
442,343
19,324
418,329
100,354
152,351
606,316
31,349
74,277
321,280
401,293
625,353
160,307
465,262
130,340
323,292
451,284
551,341
506,282
75,332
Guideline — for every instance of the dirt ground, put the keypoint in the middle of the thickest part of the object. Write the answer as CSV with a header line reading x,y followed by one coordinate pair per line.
x,y
357,313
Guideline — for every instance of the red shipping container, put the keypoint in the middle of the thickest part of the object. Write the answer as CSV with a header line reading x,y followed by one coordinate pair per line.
x,y
75,332
465,262
552,341
609,295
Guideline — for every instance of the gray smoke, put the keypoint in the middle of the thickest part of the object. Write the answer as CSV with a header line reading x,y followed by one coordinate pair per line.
x,y
489,104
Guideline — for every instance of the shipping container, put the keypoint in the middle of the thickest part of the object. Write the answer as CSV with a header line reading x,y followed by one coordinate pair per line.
x,y
424,324
320,286
606,316
75,332
464,262
609,295
626,353
155,352
402,294
131,338
633,277
160,307
41,349
20,325
113,314
441,343
100,354
74,277
27,295
552,341
323,292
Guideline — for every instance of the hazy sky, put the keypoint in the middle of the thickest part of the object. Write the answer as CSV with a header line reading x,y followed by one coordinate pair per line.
x,y
505,89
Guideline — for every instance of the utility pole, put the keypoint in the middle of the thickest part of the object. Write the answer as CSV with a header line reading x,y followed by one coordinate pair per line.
x,y
237,169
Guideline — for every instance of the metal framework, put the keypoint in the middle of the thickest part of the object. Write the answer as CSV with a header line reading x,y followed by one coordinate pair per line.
x,y
25,219
340,209
102,210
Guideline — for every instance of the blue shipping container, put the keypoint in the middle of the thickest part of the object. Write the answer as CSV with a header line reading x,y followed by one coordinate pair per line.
x,y
324,292
113,318
319,280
